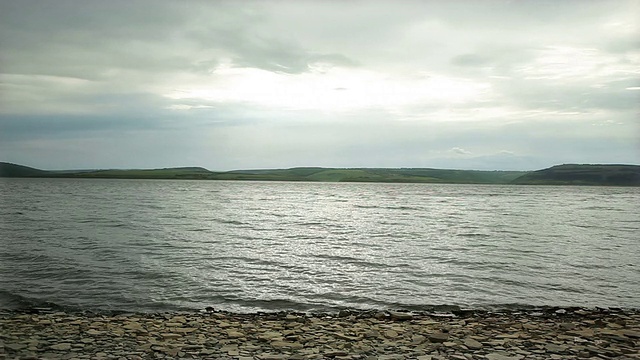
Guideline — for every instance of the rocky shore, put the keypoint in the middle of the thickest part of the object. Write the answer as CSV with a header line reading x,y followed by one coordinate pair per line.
x,y
549,333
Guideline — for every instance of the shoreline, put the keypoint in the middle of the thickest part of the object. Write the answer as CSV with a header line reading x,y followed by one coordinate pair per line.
x,y
536,333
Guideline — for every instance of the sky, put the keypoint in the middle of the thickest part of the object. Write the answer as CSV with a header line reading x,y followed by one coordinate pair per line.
x,y
487,85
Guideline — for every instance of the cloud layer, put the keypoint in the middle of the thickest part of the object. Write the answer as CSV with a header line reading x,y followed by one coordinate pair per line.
x,y
258,84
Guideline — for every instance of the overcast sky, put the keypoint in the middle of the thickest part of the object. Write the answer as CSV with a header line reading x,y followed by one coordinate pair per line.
x,y
275,84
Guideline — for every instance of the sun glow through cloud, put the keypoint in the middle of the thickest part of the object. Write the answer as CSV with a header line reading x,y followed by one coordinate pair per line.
x,y
335,89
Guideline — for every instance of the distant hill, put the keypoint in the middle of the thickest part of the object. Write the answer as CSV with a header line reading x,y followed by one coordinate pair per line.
x,y
166,173
626,175
402,175
575,174
15,170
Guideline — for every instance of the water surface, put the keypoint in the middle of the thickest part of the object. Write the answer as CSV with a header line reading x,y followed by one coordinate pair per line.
x,y
155,245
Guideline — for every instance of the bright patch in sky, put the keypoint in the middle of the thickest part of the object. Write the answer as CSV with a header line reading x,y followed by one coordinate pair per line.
x,y
333,89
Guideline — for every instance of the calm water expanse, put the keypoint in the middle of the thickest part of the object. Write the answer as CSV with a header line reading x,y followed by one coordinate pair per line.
x,y
154,245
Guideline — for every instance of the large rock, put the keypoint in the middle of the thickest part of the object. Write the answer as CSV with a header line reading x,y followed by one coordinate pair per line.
x,y
234,334
438,337
397,315
472,344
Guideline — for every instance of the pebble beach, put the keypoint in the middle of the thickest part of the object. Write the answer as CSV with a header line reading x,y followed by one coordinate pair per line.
x,y
547,333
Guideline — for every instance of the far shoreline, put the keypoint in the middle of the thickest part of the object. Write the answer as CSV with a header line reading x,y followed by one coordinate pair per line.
x,y
567,174
444,310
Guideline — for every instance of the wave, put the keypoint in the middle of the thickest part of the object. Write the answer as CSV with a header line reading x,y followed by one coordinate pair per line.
x,y
16,302
230,222
363,263
386,250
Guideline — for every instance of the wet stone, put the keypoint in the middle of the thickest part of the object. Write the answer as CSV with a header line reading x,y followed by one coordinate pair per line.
x,y
396,315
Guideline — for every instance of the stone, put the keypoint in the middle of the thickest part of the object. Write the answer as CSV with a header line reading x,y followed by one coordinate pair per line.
x,y
335,353
397,315
631,333
497,356
229,347
172,351
390,357
133,326
271,334
359,335
15,346
438,337
286,344
584,354
457,357
348,337
555,348
380,315
179,319
391,334
271,357
184,330
472,344
61,346
567,326
234,334
418,339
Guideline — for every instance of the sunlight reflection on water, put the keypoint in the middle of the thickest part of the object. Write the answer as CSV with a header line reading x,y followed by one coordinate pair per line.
x,y
245,246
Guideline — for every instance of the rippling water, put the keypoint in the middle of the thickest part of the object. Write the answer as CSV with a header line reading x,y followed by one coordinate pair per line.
x,y
149,245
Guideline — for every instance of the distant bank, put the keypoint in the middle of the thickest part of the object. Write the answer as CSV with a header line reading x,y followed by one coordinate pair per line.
x,y
572,174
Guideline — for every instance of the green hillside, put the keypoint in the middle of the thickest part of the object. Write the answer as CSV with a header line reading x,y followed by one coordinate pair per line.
x,y
166,173
403,175
619,175
15,170
574,174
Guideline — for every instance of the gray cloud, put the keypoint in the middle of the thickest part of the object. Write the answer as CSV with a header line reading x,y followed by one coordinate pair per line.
x,y
469,60
230,84
579,96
